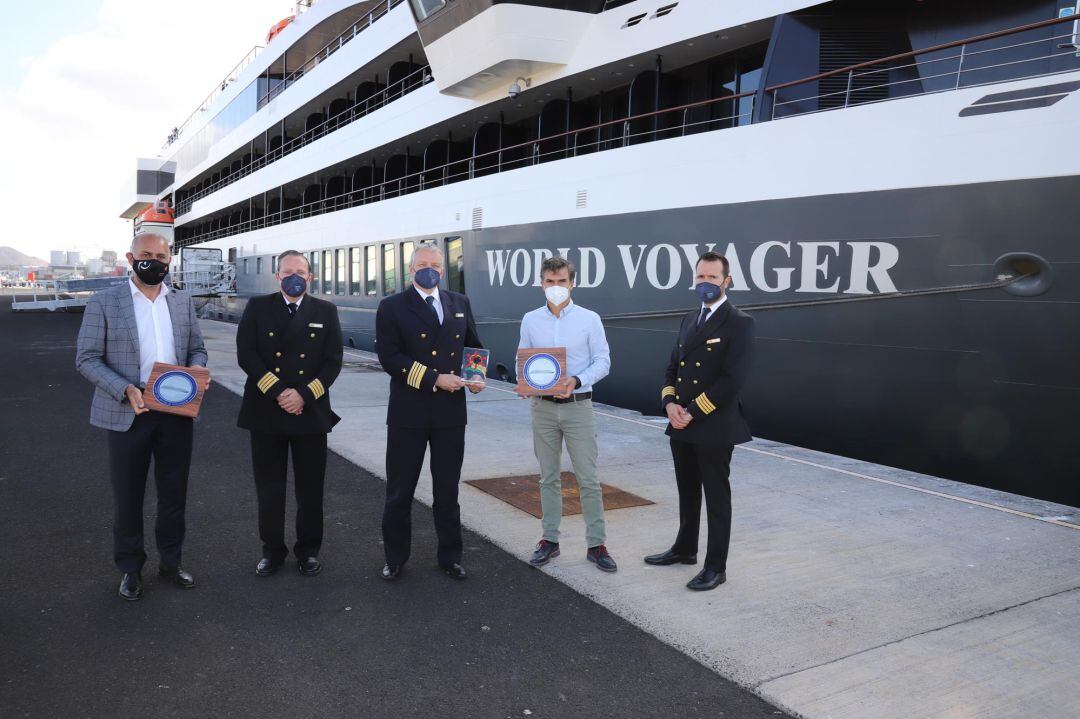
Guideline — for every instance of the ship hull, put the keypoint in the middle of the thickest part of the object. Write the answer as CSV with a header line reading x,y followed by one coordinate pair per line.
x,y
976,386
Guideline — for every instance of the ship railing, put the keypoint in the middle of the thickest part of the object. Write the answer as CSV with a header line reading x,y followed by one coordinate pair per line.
x,y
208,280
939,68
229,78
361,108
369,19
679,121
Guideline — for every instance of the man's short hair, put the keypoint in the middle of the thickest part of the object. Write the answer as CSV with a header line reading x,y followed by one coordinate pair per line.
x,y
426,246
713,257
294,253
555,265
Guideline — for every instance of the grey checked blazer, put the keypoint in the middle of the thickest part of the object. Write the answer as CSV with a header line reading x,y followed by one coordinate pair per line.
x,y
107,351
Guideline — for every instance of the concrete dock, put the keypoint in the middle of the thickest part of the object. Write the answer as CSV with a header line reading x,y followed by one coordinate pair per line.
x,y
854,590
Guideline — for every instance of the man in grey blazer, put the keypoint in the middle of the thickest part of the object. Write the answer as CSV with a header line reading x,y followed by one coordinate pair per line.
x,y
125,330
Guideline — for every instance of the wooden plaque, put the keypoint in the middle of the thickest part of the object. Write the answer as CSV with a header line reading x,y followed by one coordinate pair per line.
x,y
175,390
540,370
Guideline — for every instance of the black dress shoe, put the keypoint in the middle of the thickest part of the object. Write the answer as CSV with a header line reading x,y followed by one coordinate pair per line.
x,y
670,557
131,587
309,566
455,571
707,579
179,577
390,572
266,567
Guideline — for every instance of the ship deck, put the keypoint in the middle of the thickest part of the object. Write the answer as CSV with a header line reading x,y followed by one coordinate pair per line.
x,y
854,590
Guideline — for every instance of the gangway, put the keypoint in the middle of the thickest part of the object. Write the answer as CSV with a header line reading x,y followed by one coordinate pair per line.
x,y
209,280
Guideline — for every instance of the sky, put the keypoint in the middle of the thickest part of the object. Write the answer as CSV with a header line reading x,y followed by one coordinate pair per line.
x,y
88,86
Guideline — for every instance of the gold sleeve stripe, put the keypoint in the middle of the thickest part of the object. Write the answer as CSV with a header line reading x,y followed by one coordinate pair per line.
x,y
316,388
416,375
668,391
704,404
268,380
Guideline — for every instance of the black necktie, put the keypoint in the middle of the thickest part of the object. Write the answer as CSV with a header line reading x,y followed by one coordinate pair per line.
x,y
701,318
431,303
292,308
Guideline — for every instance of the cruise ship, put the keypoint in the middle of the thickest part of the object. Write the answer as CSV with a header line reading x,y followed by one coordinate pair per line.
x,y
893,182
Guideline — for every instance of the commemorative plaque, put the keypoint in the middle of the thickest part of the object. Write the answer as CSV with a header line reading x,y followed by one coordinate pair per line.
x,y
539,371
175,390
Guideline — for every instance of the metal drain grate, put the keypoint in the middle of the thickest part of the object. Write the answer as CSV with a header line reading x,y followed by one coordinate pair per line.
x,y
524,493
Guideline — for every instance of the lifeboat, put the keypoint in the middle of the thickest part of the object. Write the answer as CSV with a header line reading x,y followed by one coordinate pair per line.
x,y
157,218
277,27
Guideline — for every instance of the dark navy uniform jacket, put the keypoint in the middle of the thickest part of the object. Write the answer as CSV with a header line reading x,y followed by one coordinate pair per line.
x,y
707,371
279,351
414,350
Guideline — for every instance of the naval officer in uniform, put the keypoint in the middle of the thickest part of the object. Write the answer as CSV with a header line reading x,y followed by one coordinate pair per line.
x,y
289,344
420,336
704,378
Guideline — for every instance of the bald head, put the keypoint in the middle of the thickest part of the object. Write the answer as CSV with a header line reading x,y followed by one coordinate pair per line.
x,y
149,246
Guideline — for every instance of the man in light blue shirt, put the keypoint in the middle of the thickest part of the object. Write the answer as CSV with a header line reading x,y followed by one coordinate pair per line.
x,y
568,415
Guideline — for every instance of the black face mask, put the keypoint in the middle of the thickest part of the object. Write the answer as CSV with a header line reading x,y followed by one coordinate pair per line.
x,y
151,272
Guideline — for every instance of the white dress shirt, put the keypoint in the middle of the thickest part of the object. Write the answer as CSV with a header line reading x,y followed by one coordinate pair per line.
x,y
712,308
155,330
293,300
577,329
438,301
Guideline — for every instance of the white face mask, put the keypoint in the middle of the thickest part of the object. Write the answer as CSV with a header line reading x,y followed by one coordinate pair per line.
x,y
557,294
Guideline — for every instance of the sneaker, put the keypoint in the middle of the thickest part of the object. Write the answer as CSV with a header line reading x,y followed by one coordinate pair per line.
x,y
599,555
545,552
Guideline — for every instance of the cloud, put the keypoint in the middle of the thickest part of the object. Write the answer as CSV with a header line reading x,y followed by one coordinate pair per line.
x,y
92,102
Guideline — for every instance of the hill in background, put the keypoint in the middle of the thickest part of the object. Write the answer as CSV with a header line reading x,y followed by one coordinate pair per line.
x,y
10,257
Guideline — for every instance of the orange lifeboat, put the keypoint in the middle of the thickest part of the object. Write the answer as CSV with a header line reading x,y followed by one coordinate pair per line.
x,y
159,213
277,27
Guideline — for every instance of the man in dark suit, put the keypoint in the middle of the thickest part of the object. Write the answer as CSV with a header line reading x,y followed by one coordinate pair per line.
x,y
289,344
420,335
708,368
125,330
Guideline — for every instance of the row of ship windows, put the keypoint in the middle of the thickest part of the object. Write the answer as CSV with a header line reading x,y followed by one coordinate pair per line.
x,y
354,271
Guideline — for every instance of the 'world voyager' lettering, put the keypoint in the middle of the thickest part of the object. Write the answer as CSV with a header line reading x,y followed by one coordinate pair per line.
x,y
818,267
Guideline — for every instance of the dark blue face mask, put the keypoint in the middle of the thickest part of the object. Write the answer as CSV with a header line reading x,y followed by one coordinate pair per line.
x,y
707,292
293,285
427,277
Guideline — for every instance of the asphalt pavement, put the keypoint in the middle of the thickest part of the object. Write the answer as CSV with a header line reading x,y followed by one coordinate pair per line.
x,y
508,642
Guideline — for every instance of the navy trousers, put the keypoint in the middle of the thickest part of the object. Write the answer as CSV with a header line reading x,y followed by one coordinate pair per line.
x,y
703,467
405,450
166,438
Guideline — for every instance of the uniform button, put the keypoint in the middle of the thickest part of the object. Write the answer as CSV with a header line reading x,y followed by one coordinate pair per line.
x,y
695,381
451,354
457,337
270,333
696,364
433,353
313,335
277,369
277,354
676,396
301,356
682,364
708,349
301,371
423,335
679,379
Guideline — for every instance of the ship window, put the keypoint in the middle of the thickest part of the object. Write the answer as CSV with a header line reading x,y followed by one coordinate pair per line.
x,y
328,272
455,264
314,272
273,264
372,272
354,271
258,265
389,270
424,9
342,269
406,260
245,267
